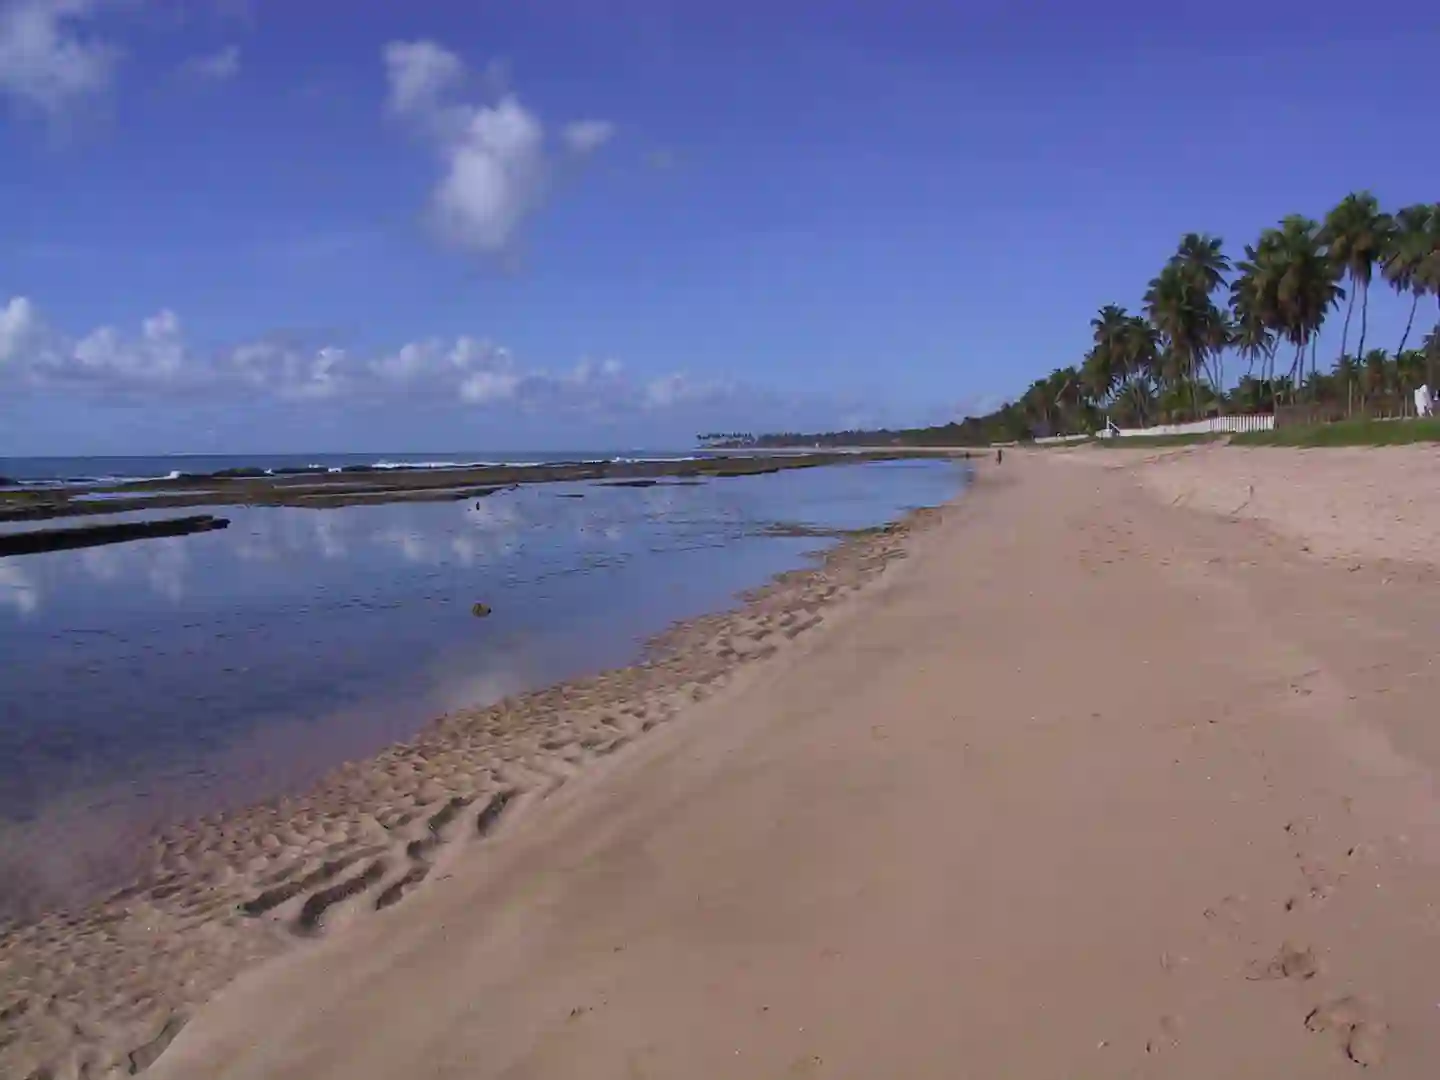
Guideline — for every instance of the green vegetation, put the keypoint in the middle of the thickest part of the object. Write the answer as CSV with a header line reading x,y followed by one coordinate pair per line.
x,y
1361,432
1166,363
1158,442
969,432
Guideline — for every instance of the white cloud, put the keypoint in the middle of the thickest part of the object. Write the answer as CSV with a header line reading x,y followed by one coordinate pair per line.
x,y
587,136
48,62
420,74
679,389
474,371
495,168
485,387
158,363
18,328
495,177
157,356
213,67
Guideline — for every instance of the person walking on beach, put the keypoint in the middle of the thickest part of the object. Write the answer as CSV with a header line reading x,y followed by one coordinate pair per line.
x,y
999,454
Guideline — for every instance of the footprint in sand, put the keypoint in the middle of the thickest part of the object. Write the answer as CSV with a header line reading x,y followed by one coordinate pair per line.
x,y
1291,962
1169,1035
1361,1037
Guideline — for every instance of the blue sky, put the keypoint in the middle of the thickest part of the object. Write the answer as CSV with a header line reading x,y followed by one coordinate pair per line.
x,y
248,226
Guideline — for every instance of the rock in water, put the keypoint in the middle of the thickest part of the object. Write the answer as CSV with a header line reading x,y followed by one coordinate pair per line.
x,y
480,610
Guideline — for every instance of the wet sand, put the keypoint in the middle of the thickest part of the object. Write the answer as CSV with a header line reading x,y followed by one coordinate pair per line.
x,y
1095,782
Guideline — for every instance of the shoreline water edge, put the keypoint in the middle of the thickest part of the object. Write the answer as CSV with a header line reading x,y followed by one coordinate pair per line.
x,y
109,985
323,488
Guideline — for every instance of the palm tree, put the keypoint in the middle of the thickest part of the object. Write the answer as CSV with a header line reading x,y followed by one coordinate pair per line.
x,y
1409,375
1297,285
1411,242
1358,234
1103,369
1205,265
1347,374
1431,347
1253,324
1249,394
1167,302
1038,408
1123,352
1135,404
1204,260
1174,402
1377,376
1427,277
1066,390
1140,349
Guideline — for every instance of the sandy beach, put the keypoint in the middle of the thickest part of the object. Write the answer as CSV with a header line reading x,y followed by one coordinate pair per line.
x,y
1114,773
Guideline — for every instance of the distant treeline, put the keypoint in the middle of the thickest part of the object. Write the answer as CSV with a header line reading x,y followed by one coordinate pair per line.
x,y
1001,426
1166,363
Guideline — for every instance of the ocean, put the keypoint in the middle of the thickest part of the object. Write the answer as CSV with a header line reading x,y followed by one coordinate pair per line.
x,y
171,678
47,471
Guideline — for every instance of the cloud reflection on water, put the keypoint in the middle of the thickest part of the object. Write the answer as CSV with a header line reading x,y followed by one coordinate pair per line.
x,y
17,591
487,532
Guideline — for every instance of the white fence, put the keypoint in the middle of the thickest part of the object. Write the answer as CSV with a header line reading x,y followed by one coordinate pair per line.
x,y
1215,425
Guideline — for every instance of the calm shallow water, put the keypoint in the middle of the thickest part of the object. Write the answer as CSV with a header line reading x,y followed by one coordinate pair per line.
x,y
172,677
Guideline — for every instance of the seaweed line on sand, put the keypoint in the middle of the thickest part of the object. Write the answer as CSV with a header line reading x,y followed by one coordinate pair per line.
x,y
106,987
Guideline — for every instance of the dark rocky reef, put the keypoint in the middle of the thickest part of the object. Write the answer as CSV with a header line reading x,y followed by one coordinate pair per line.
x,y
82,536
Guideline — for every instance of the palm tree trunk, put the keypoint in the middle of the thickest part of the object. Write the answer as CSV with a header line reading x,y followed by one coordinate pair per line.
x,y
1431,352
1194,398
1414,303
1364,318
1269,363
1349,310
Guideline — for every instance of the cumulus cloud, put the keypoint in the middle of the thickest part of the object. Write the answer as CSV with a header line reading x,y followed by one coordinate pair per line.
x,y
19,325
157,362
49,62
155,357
495,176
587,136
680,389
213,67
495,166
420,74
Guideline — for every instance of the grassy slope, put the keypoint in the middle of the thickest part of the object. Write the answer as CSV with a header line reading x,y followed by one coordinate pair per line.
x,y
1346,433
